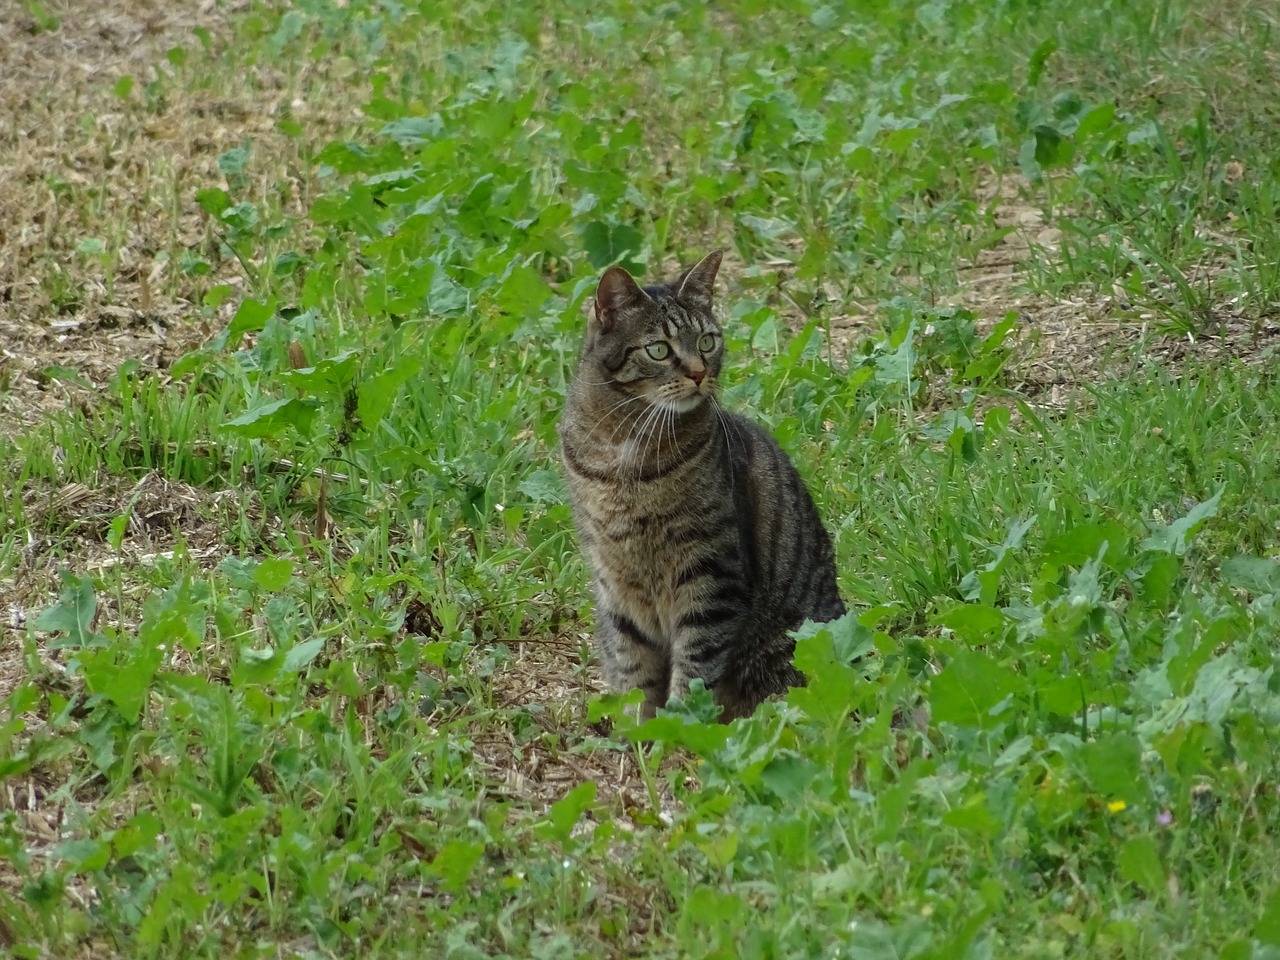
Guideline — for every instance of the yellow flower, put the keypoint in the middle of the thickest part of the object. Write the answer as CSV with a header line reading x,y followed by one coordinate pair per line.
x,y
1115,806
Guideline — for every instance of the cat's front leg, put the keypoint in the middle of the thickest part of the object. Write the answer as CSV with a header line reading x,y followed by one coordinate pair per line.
x,y
634,660
703,648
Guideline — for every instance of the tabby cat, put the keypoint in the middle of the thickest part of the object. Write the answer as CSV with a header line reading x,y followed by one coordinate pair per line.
x,y
704,543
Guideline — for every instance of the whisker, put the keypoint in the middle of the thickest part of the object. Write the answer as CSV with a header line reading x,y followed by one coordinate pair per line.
x,y
604,416
626,421
647,430
728,441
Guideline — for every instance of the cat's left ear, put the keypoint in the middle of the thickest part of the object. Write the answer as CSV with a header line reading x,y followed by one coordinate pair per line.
x,y
616,291
698,285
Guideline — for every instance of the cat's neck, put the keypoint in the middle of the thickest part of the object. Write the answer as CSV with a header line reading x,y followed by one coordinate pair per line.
x,y
615,434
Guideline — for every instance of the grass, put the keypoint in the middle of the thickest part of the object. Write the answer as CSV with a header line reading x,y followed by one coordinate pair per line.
x,y
297,661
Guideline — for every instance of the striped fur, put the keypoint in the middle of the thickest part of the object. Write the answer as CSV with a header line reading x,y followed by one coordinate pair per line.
x,y
705,546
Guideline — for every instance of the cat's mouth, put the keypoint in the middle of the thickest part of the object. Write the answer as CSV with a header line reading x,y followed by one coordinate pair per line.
x,y
681,396
684,404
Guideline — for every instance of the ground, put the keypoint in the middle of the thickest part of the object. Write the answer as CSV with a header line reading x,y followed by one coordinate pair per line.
x,y
112,122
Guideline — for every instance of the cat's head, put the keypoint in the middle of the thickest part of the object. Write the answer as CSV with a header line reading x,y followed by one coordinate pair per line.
x,y
661,343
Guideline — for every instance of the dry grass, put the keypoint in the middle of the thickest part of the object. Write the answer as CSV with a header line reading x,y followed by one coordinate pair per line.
x,y
1083,338
79,163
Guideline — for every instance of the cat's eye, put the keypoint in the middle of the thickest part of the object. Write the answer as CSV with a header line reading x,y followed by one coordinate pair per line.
x,y
707,342
659,350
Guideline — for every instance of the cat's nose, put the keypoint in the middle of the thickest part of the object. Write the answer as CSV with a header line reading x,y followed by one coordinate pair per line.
x,y
696,375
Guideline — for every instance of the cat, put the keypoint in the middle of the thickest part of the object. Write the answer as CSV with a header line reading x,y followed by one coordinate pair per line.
x,y
704,544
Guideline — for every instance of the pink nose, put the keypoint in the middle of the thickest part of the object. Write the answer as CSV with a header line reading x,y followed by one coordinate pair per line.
x,y
697,376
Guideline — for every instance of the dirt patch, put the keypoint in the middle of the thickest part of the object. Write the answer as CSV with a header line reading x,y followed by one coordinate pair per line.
x,y
105,255
547,756
1060,344
161,519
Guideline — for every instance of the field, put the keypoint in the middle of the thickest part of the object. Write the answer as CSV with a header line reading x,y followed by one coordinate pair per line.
x,y
295,653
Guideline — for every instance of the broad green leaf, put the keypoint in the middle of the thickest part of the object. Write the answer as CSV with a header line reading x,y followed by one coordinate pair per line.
x,y
1052,148
974,623
175,616
831,689
84,855
233,162
1085,541
250,316
1095,122
848,877
273,418
615,706
896,367
1036,62
455,863
543,486
1139,862
607,243
1258,575
1063,696
973,817
215,297
376,394
122,674
971,688
770,228
1113,766
213,201
413,131
704,739
273,573
289,30
850,639
1173,539
328,378
301,654
708,907
1160,578
568,810
71,615
257,665
720,848
138,833
947,423
698,706
787,775
1267,929
116,531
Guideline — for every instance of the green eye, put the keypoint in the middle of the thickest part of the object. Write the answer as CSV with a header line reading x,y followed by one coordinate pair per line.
x,y
707,342
659,350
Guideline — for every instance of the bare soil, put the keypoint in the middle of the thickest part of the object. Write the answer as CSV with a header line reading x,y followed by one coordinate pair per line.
x,y
84,168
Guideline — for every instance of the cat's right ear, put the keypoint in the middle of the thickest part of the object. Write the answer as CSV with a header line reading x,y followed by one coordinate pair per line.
x,y
617,291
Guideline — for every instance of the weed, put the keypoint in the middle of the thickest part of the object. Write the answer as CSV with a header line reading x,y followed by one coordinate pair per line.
x,y
298,625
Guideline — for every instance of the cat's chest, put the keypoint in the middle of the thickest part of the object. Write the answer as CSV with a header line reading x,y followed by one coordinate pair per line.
x,y
637,545
631,531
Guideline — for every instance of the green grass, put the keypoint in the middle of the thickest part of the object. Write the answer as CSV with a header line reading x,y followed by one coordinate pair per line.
x,y
266,743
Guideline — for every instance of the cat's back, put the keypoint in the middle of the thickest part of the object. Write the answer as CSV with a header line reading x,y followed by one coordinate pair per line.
x,y
792,557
